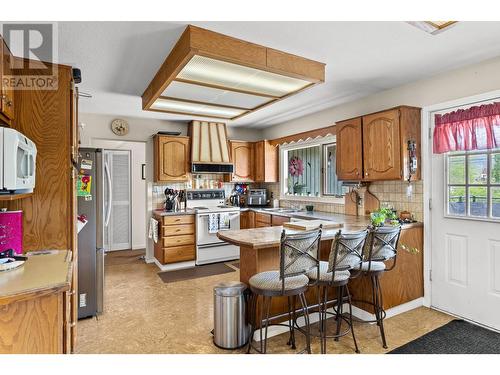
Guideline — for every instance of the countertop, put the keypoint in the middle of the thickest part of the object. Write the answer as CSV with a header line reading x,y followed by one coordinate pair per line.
x,y
41,273
363,221
171,213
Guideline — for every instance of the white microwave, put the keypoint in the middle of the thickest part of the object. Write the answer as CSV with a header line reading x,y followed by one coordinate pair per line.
x,y
17,162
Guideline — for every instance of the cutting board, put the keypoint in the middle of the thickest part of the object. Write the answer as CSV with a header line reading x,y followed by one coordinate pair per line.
x,y
371,202
312,224
351,205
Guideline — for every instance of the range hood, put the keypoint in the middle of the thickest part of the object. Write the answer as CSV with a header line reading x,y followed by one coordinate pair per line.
x,y
209,148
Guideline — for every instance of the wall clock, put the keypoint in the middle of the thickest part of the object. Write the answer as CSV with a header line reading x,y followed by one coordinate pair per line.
x,y
119,127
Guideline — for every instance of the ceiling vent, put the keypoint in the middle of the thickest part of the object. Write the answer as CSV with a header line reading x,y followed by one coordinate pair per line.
x,y
210,75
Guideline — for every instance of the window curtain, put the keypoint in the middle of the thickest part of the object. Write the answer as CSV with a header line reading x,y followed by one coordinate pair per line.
x,y
475,128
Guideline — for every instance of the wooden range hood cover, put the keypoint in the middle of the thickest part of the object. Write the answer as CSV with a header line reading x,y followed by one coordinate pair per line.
x,y
209,147
210,75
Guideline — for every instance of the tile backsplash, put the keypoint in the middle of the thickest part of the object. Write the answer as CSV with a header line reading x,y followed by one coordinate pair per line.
x,y
390,194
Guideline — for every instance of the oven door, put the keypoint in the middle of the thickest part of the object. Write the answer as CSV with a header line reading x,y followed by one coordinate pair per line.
x,y
204,238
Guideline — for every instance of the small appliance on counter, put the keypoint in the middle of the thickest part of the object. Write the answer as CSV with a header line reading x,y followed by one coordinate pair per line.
x,y
11,231
257,197
17,162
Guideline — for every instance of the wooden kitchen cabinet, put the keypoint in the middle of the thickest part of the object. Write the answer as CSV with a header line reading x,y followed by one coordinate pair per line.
x,y
277,220
6,92
176,239
262,220
171,158
35,306
349,149
242,156
247,220
381,146
266,162
377,145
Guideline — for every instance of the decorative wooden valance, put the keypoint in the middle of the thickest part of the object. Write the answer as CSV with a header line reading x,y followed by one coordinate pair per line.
x,y
311,134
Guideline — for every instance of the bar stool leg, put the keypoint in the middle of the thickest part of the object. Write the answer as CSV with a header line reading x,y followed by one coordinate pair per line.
x,y
380,311
325,300
291,322
253,320
303,302
350,319
321,322
340,300
294,320
267,306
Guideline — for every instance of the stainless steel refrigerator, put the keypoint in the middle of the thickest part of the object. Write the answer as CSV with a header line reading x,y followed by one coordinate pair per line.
x,y
93,187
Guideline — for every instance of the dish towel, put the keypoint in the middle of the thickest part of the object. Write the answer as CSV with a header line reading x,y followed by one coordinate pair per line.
x,y
224,223
153,229
213,223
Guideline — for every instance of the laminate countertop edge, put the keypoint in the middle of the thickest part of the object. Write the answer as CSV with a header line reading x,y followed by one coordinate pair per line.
x,y
45,288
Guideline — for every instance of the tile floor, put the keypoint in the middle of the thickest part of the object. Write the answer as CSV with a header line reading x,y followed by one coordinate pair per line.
x,y
144,315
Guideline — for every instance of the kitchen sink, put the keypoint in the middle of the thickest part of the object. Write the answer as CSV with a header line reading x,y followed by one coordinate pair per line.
x,y
283,210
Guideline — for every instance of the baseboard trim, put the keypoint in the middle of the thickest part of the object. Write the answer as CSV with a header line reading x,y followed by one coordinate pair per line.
x,y
173,267
356,312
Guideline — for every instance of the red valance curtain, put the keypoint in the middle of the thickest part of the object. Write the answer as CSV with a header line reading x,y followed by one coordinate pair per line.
x,y
475,128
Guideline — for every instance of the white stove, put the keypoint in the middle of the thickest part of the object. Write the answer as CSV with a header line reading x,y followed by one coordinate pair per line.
x,y
213,215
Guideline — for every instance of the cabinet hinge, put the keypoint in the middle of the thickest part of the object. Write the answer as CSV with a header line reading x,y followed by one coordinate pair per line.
x,y
430,133
430,275
430,203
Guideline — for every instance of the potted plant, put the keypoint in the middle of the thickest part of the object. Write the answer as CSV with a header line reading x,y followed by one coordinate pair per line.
x,y
384,216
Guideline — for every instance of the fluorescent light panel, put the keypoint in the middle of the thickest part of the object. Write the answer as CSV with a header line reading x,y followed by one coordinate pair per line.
x,y
221,73
220,97
171,105
432,27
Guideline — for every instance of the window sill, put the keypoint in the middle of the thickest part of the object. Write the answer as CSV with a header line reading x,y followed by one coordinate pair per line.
x,y
330,200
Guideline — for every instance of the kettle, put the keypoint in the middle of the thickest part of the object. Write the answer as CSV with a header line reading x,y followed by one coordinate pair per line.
x,y
234,200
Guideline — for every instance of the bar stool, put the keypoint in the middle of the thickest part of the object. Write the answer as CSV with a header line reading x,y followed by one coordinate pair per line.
x,y
380,247
298,257
345,255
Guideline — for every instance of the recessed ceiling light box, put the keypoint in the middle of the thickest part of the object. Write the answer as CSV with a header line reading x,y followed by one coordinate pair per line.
x,y
208,74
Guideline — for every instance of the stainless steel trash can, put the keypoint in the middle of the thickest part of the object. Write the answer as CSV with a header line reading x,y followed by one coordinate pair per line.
x,y
230,322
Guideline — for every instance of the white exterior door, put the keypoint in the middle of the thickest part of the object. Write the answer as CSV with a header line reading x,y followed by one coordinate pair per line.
x,y
465,263
119,228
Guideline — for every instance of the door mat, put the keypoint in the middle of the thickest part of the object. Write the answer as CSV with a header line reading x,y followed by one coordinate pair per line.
x,y
456,337
195,272
236,264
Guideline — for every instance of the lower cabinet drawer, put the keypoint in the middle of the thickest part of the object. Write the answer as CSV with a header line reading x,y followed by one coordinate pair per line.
x,y
176,230
170,241
179,254
178,219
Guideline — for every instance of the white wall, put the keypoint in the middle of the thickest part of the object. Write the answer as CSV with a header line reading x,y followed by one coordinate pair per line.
x,y
463,82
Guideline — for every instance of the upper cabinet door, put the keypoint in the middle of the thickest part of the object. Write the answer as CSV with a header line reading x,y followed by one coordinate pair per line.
x,y
381,146
349,149
242,156
266,162
172,158
6,94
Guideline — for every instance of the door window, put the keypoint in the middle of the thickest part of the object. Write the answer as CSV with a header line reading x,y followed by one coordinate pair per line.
x,y
473,184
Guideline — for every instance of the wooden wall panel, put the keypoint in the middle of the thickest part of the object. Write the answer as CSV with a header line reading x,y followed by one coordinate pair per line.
x,y
45,117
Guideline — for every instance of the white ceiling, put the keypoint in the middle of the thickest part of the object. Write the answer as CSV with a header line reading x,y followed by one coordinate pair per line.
x,y
119,59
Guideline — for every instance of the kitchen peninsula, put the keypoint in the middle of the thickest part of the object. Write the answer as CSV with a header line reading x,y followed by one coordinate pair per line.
x,y
259,251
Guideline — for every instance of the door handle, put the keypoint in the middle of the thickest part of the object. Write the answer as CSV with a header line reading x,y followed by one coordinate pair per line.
x,y
110,194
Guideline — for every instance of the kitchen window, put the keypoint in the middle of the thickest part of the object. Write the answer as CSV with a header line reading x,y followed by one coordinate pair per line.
x,y
473,184
308,169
